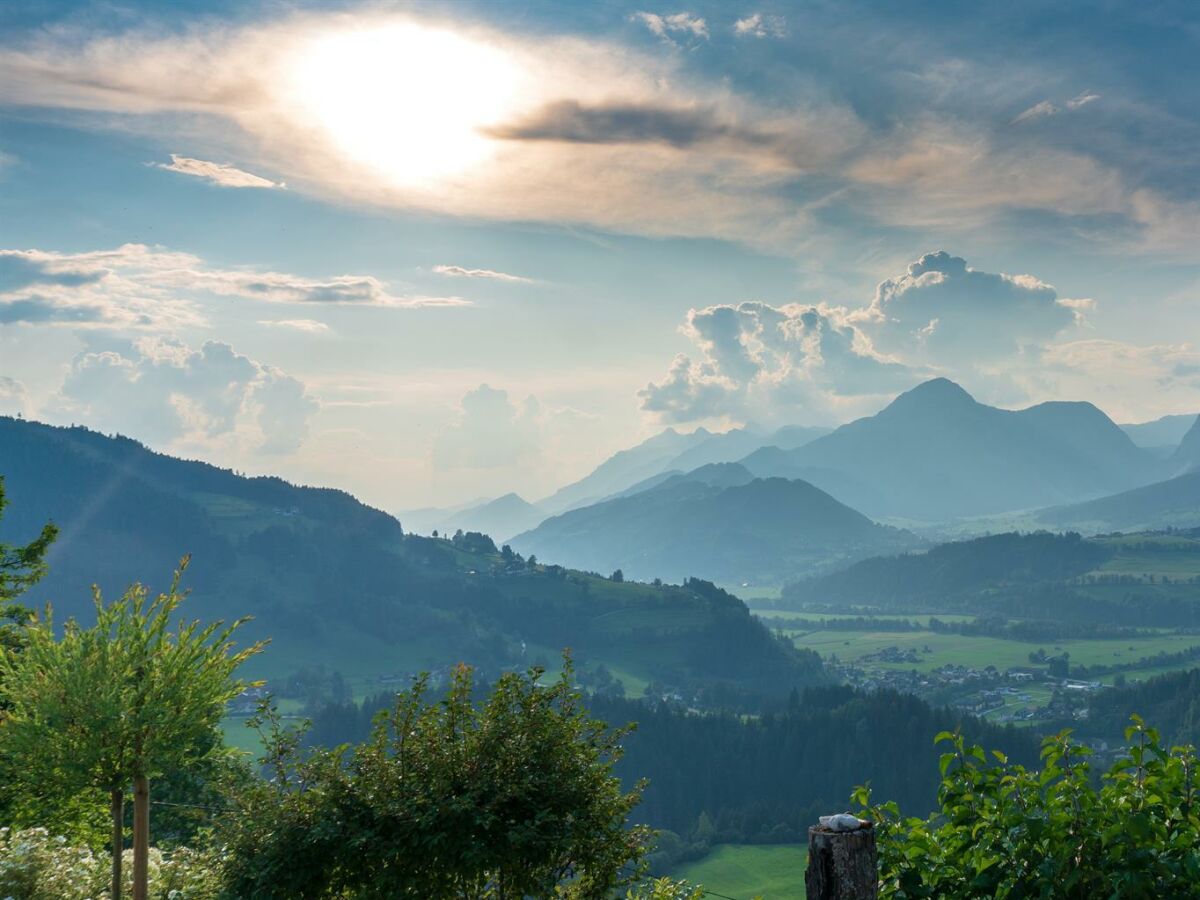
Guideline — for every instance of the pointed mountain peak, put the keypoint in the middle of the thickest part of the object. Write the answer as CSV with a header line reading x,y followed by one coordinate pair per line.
x,y
938,391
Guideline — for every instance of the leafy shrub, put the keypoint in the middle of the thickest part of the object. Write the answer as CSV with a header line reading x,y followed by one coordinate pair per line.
x,y
1004,831
37,866
514,797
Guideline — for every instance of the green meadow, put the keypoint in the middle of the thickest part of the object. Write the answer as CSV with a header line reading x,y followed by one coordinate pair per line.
x,y
978,652
743,871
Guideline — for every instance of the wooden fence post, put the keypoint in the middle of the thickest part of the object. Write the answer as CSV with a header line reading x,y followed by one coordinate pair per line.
x,y
842,865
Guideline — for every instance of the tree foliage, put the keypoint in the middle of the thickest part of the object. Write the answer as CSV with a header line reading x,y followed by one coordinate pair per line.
x,y
510,798
135,696
1056,832
20,567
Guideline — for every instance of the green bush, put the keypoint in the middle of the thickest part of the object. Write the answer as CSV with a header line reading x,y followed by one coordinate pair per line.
x,y
514,797
1003,831
34,865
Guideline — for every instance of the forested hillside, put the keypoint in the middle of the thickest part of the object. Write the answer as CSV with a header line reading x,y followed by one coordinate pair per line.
x,y
1171,503
1130,580
726,778
333,581
955,570
1171,702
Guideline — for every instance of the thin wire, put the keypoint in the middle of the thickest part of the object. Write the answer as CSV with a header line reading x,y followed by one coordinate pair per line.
x,y
722,896
193,806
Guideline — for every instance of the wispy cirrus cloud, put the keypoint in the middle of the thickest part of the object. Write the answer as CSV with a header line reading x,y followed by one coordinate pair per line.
x,y
488,274
759,25
221,174
144,287
308,326
1046,108
668,26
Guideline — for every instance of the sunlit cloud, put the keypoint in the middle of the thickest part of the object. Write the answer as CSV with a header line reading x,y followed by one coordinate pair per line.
x,y
308,326
388,110
488,274
218,173
144,287
385,109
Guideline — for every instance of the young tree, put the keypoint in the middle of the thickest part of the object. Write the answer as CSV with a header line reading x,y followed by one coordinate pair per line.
x,y
511,798
20,567
119,703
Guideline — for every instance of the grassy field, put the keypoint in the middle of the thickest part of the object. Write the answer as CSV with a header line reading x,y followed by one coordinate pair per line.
x,y
978,652
751,592
741,871
920,618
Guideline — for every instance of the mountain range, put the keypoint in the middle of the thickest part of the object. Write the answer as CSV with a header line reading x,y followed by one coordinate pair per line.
x,y
665,454
719,521
933,456
935,453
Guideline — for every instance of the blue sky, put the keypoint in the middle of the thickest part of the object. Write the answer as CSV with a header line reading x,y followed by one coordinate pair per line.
x,y
300,238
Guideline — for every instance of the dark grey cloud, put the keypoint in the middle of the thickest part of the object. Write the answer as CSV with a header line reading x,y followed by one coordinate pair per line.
x,y
36,310
631,123
20,270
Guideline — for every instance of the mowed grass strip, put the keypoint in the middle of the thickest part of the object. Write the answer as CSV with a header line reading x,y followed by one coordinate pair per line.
x,y
742,871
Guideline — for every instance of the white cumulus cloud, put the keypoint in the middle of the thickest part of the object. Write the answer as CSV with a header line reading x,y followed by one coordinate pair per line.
x,y
163,391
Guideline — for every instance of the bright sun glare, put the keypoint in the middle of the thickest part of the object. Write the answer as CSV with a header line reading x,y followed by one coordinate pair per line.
x,y
410,101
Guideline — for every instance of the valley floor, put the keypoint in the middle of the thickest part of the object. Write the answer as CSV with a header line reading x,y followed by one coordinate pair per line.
x,y
743,871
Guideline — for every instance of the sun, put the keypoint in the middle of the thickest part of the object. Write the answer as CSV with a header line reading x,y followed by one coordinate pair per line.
x,y
411,102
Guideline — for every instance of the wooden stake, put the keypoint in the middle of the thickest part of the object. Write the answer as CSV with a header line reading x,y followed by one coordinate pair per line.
x,y
842,864
118,841
141,837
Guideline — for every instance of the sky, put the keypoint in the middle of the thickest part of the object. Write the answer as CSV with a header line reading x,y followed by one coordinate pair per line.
x,y
431,252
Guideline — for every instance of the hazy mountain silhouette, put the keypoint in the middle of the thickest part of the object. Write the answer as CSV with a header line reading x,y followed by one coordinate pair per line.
x,y
625,468
670,452
1187,455
1171,503
935,453
718,521
500,518
1161,436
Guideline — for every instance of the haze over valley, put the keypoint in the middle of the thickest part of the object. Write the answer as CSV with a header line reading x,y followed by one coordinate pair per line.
x,y
398,399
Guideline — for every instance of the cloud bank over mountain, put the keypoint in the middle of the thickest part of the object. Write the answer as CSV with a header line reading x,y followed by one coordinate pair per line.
x,y
1012,338
165,392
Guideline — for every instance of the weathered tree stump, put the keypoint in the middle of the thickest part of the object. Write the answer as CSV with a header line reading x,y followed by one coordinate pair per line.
x,y
842,864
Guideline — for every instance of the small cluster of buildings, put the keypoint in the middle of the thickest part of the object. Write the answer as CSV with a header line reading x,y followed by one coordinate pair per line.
x,y
1012,695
